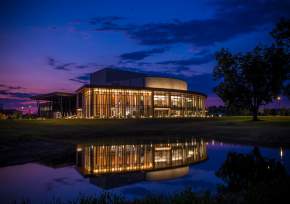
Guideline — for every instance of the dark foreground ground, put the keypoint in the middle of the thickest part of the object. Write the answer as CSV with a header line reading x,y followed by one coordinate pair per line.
x,y
53,141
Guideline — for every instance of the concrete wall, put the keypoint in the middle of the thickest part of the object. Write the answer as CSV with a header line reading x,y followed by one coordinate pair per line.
x,y
113,77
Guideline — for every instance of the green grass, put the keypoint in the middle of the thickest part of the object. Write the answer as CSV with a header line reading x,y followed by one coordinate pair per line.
x,y
75,131
28,140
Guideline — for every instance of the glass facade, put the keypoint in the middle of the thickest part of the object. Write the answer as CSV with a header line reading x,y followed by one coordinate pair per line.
x,y
101,159
143,103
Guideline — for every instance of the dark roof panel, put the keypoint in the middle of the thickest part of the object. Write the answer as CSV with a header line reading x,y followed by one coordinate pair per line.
x,y
48,96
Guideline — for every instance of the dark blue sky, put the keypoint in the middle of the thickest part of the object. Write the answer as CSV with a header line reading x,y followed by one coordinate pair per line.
x,y
53,45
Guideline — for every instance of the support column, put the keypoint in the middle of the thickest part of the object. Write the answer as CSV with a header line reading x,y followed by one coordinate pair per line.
x,y
152,102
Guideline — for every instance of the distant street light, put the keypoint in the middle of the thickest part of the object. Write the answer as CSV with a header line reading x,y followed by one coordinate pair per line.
x,y
279,99
281,153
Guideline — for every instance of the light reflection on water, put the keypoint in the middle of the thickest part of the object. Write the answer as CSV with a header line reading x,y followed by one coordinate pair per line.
x,y
41,183
109,166
98,159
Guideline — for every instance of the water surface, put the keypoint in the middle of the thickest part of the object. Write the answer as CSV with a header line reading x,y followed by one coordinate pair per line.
x,y
132,170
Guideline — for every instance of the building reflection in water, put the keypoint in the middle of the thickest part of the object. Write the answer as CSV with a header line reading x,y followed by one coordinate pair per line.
x,y
106,159
135,162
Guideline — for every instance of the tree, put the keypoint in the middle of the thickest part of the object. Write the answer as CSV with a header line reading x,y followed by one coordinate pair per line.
x,y
252,79
251,178
240,171
255,78
281,34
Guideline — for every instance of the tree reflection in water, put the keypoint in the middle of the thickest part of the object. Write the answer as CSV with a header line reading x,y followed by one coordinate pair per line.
x,y
251,178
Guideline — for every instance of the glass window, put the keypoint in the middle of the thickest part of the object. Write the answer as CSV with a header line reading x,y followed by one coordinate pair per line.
x,y
161,99
176,101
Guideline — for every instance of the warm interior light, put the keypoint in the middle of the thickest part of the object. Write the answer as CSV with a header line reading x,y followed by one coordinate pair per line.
x,y
162,148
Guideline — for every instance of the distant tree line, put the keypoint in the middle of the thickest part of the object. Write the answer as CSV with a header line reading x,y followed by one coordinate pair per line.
x,y
10,114
228,111
232,111
15,114
276,111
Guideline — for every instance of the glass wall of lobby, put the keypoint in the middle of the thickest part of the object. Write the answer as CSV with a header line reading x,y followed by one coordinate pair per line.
x,y
126,103
116,103
178,104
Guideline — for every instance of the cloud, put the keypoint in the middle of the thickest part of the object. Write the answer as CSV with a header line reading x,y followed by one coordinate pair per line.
x,y
180,69
3,92
16,94
55,64
64,67
11,87
13,94
231,19
78,81
111,23
68,66
83,79
140,55
81,66
197,60
144,63
51,61
107,20
22,95
7,91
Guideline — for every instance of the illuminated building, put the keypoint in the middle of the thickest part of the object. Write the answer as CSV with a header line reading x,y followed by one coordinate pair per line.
x,y
122,94
116,93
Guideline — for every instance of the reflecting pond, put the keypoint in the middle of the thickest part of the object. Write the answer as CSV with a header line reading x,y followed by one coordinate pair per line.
x,y
132,169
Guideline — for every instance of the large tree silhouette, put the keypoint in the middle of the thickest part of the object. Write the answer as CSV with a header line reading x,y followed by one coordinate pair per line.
x,y
251,79
281,34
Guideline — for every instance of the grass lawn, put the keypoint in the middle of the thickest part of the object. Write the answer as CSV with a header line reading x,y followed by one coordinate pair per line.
x,y
30,140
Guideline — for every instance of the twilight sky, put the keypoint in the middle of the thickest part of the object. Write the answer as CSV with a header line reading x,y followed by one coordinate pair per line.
x,y
52,45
